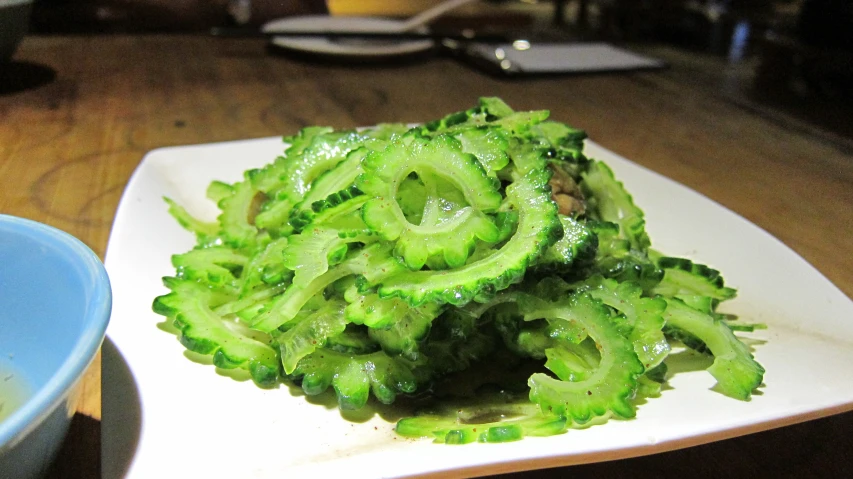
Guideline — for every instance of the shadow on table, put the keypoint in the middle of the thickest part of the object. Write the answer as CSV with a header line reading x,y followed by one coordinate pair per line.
x,y
121,412
20,76
81,449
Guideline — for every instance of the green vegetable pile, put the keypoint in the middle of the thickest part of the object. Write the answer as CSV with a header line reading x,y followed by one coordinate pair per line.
x,y
386,260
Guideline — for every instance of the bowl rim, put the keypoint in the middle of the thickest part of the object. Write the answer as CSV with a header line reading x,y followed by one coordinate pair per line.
x,y
45,399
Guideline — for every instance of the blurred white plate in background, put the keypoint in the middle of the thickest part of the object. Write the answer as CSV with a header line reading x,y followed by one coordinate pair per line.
x,y
352,47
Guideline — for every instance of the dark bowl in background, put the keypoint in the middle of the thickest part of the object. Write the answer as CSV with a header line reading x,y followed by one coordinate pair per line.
x,y
14,24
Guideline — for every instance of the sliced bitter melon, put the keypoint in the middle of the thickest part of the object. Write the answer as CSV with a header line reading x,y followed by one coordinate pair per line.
x,y
736,371
439,157
684,277
644,317
286,181
487,110
371,262
404,335
525,156
246,306
576,248
325,153
231,344
354,376
497,420
310,333
560,135
310,253
451,242
372,311
325,212
337,180
616,258
456,340
607,200
538,228
214,265
606,390
490,111
488,145
448,231
237,210
206,233
270,178
275,179
265,267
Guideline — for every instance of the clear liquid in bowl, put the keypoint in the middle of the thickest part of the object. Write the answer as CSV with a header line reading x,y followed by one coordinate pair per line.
x,y
14,390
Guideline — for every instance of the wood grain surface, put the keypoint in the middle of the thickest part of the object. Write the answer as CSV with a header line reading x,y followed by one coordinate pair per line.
x,y
78,113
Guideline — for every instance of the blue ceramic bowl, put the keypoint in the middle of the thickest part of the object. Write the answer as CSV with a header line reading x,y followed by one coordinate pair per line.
x,y
55,304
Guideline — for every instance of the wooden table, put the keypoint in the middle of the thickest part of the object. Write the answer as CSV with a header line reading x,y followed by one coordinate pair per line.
x,y
96,105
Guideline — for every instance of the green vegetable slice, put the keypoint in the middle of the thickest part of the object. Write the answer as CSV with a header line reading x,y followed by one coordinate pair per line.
x,y
337,181
324,153
326,212
310,333
609,201
385,131
372,311
402,337
525,157
684,277
450,242
511,421
273,216
736,371
314,152
488,145
355,376
205,232
616,259
538,226
310,253
369,261
609,388
248,304
385,171
231,344
448,231
237,209
577,247
536,340
354,340
488,109
560,135
441,156
644,315
214,265
270,178
265,267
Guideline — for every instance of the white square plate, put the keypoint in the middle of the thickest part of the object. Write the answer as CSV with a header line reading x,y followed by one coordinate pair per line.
x,y
166,416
